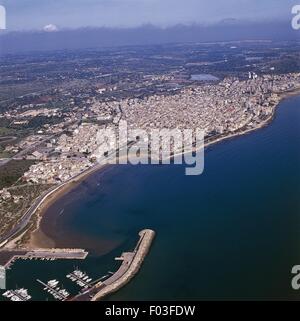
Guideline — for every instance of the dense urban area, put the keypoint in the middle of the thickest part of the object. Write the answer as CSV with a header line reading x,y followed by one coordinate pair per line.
x,y
52,105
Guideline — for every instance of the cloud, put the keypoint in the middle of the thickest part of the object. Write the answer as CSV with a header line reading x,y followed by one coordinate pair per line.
x,y
50,28
31,14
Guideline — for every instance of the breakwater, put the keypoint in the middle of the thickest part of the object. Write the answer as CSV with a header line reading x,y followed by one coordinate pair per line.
x,y
131,263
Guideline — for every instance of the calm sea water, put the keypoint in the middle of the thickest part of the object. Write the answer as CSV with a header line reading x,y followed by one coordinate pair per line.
x,y
231,233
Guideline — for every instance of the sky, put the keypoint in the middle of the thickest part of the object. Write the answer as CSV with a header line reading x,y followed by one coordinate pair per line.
x,y
53,15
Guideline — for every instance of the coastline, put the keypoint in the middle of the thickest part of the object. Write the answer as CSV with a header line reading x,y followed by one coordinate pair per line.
x,y
37,237
26,238
266,122
34,237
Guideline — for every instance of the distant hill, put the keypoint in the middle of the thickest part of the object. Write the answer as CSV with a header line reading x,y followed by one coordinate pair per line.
x,y
227,30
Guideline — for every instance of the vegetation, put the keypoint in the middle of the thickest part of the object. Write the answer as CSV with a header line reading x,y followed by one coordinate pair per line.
x,y
4,131
22,197
11,172
3,153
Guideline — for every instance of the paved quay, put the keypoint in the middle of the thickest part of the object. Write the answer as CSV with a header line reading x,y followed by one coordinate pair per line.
x,y
8,257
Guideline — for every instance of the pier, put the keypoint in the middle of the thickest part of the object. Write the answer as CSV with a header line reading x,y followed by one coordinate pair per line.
x,y
91,290
7,257
80,278
131,263
17,295
56,292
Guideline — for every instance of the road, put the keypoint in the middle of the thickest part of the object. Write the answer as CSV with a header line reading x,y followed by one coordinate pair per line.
x,y
26,217
24,221
33,147
27,150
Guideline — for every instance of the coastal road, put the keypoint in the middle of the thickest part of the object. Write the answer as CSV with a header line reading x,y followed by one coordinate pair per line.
x,y
24,221
26,217
7,139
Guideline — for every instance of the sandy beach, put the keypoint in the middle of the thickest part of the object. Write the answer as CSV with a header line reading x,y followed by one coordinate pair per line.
x,y
34,237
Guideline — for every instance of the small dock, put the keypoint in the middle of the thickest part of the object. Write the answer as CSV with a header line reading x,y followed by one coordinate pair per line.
x,y
17,295
56,292
80,278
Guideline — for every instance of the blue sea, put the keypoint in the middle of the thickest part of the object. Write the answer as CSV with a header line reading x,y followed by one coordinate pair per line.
x,y
231,233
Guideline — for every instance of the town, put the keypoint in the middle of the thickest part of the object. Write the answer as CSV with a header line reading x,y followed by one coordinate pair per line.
x,y
49,136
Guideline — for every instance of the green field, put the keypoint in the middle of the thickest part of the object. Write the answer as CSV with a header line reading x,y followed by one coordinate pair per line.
x,y
4,131
12,171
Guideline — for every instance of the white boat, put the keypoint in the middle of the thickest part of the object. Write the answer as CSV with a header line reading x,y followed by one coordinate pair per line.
x,y
7,294
64,293
79,273
22,292
53,283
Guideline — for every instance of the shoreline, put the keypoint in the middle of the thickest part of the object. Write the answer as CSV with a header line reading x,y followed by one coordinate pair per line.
x,y
37,237
40,207
34,237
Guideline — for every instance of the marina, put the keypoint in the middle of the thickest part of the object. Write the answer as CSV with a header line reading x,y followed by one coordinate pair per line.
x,y
17,295
80,278
8,257
93,289
52,287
